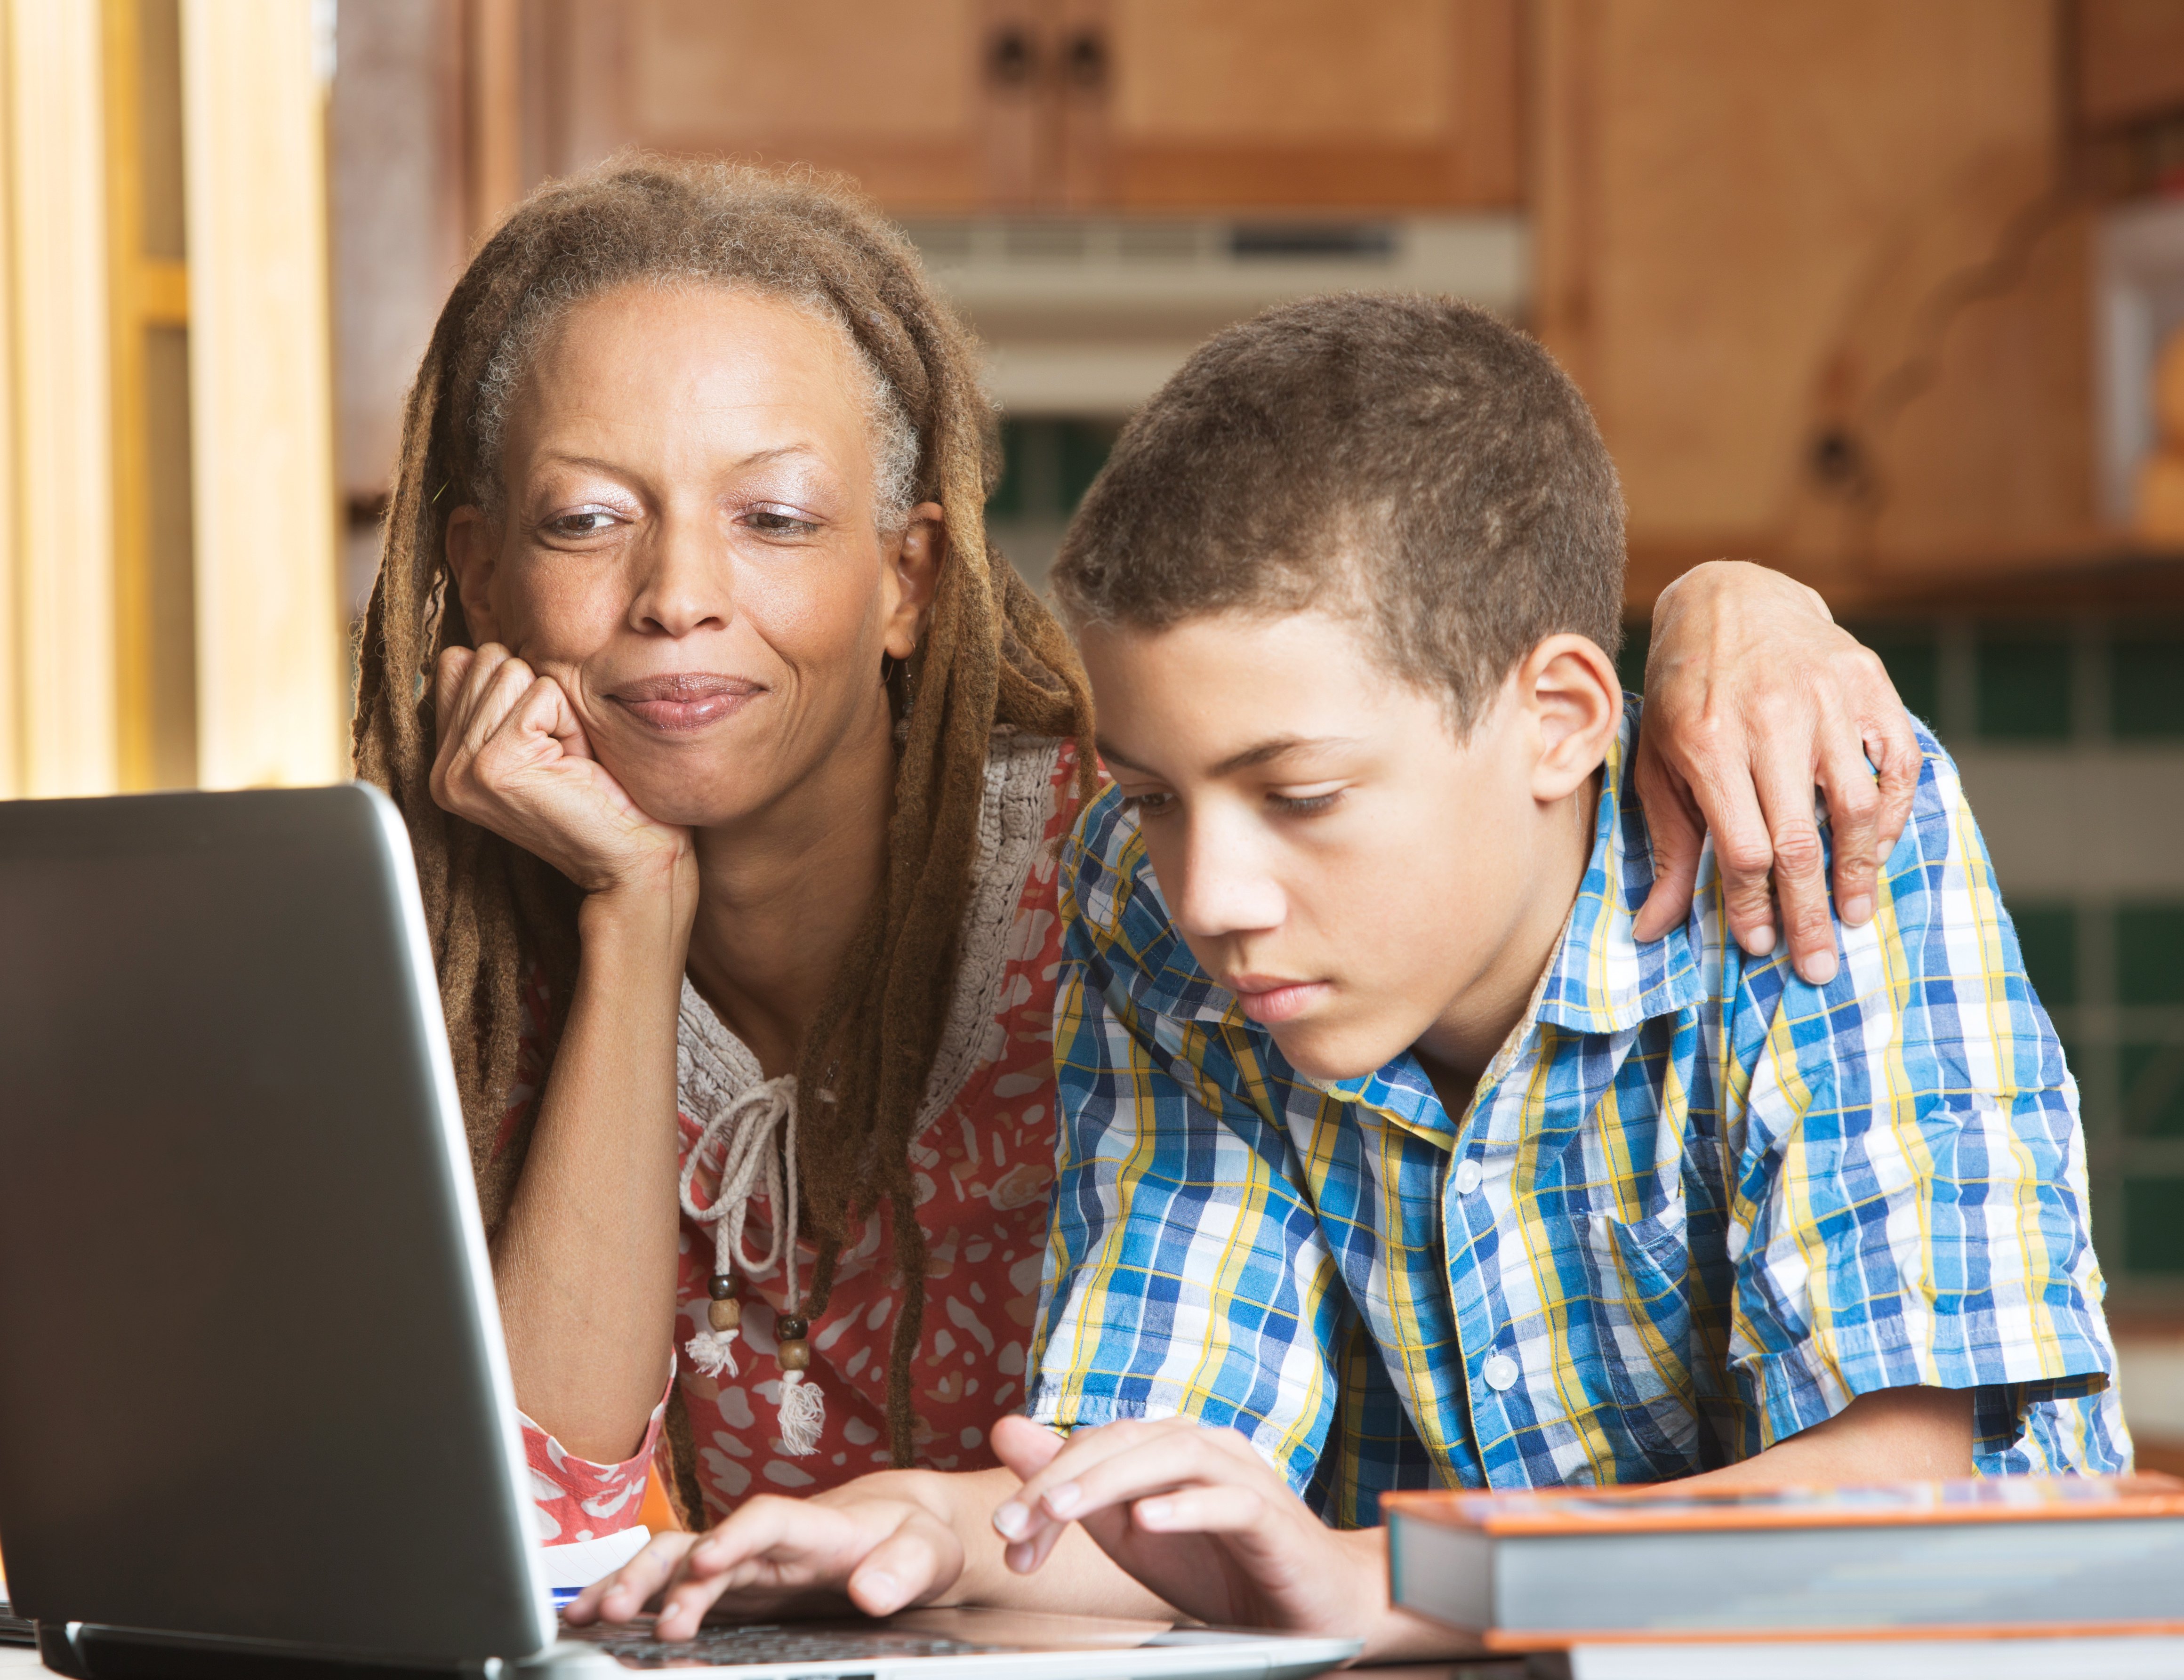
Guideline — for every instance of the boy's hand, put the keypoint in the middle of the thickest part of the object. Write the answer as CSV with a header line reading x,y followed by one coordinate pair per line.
x,y
1754,698
868,1544
1197,1514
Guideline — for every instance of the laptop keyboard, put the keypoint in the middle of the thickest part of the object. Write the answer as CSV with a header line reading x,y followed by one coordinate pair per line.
x,y
758,1643
13,1630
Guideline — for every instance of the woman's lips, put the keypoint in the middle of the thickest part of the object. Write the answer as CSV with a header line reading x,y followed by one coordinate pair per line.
x,y
1270,1002
689,701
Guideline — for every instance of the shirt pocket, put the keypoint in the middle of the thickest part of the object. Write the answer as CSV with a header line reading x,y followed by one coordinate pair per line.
x,y
1641,1279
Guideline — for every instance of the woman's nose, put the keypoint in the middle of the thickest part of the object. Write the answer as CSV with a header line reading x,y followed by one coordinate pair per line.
x,y
687,584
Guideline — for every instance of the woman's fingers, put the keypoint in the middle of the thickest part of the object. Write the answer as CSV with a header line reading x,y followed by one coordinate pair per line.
x,y
627,1591
918,1560
1801,872
1678,835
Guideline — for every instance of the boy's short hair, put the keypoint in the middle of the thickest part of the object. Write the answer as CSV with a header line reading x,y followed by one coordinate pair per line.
x,y
1412,461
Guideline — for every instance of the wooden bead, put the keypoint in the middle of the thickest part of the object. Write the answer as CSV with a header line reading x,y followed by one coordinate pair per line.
x,y
725,1314
720,1287
794,1354
792,1329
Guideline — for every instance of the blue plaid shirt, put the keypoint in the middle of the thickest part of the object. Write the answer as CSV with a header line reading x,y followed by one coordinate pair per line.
x,y
1695,1206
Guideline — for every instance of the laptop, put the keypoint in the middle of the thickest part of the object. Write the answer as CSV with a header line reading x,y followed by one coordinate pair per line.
x,y
256,1414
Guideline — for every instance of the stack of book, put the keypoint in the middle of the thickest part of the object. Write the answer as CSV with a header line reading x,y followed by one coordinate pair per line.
x,y
2028,1576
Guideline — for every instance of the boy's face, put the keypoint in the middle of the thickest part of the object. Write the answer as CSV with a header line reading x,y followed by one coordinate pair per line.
x,y
1361,879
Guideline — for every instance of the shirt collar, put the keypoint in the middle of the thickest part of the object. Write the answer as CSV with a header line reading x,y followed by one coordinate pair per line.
x,y
1602,980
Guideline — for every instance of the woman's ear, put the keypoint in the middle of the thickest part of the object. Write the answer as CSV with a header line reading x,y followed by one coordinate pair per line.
x,y
913,573
473,551
1569,687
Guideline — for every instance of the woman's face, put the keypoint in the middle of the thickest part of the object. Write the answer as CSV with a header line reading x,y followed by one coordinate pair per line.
x,y
688,544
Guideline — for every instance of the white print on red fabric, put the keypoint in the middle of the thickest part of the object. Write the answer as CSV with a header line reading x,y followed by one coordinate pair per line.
x,y
981,1168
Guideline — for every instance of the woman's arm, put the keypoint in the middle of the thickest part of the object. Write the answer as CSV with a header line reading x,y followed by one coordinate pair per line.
x,y
1755,699
584,1261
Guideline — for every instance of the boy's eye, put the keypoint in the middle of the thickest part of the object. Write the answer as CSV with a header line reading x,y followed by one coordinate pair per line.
x,y
1303,804
583,521
774,521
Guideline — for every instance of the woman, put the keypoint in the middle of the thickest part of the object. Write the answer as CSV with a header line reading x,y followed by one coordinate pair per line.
x,y
734,763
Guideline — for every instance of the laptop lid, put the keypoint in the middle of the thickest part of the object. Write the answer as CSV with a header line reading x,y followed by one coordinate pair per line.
x,y
254,1388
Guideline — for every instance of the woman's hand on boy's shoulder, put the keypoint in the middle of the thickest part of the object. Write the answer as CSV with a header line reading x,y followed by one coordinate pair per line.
x,y
1755,699
872,1545
1196,1514
513,758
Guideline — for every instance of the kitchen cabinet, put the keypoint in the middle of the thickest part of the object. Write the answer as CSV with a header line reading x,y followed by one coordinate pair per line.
x,y
968,106
1819,270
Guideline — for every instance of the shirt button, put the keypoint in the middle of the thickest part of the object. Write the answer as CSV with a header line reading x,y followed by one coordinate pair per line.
x,y
1467,1176
1500,1372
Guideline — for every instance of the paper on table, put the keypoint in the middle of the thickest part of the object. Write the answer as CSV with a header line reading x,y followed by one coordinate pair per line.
x,y
574,1565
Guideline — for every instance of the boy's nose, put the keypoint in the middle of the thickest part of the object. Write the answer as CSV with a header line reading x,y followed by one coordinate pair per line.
x,y
1221,889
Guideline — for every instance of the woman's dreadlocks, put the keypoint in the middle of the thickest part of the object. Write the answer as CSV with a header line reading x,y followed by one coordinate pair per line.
x,y
992,655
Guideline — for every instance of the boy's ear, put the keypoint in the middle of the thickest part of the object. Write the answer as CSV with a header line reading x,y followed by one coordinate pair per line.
x,y
473,551
1570,688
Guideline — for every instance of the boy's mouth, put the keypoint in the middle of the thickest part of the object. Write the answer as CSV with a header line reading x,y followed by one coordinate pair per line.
x,y
689,700
1270,1001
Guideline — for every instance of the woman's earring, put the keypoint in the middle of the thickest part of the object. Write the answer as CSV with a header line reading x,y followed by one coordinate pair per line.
x,y
888,666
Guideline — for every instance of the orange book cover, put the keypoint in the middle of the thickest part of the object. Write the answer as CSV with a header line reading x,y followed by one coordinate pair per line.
x,y
1602,1514
1662,1508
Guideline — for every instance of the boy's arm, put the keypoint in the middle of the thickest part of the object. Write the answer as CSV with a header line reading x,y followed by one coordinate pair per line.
x,y
1908,1204
1200,1512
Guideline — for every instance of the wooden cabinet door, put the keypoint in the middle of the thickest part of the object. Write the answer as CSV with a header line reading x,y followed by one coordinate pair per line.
x,y
971,105
1394,103
889,92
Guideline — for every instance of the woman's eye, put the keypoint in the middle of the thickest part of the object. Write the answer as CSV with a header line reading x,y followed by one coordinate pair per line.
x,y
773,522
1149,804
585,522
1303,805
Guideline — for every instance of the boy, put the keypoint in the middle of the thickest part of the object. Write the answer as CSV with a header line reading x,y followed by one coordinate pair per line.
x,y
1389,1156
1386,1146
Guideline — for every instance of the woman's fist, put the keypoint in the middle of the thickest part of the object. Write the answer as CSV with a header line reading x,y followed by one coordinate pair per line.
x,y
513,758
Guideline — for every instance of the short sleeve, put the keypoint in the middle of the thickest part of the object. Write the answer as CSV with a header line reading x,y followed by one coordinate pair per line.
x,y
1911,1194
1185,1273
575,1499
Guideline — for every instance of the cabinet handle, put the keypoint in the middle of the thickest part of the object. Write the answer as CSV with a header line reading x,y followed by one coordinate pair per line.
x,y
1010,56
1084,60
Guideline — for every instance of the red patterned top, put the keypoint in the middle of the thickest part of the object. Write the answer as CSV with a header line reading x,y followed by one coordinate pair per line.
x,y
982,1163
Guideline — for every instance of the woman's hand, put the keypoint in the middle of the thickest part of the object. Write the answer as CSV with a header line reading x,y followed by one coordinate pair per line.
x,y
513,758
873,1542
1199,1513
1754,697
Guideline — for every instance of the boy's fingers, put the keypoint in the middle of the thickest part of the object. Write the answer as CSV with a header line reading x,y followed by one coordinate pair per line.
x,y
1025,1448
1225,1509
1082,1453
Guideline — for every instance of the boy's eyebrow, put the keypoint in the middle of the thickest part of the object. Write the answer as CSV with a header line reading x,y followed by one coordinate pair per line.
x,y
1275,748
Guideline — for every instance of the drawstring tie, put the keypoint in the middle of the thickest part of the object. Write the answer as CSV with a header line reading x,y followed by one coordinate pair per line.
x,y
750,1159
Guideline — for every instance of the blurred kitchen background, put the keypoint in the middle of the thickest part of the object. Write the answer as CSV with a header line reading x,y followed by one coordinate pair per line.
x,y
1889,293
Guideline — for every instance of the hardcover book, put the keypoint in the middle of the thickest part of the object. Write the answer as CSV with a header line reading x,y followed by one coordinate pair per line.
x,y
2023,1555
